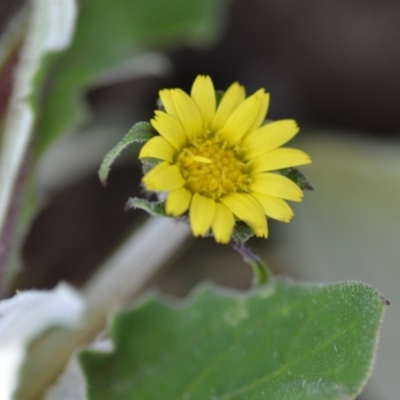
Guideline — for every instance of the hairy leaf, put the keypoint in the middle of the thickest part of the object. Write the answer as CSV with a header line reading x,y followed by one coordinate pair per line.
x,y
297,177
156,209
283,341
140,132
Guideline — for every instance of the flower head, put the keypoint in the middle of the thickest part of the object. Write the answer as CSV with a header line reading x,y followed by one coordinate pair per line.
x,y
218,160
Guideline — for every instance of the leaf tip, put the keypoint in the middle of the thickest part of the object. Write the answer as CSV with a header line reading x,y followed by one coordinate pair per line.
x,y
102,173
385,301
129,204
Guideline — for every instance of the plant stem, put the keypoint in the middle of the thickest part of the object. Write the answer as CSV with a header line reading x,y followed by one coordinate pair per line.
x,y
261,271
122,277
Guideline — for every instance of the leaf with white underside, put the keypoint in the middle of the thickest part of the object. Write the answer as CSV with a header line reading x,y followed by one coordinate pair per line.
x,y
50,30
23,318
283,341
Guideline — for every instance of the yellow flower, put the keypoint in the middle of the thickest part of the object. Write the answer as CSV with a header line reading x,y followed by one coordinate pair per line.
x,y
218,160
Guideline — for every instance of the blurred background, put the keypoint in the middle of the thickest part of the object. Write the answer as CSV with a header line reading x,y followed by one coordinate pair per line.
x,y
334,66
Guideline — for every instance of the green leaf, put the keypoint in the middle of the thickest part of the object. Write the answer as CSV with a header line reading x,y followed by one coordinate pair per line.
x,y
140,132
112,33
283,341
350,230
156,209
297,177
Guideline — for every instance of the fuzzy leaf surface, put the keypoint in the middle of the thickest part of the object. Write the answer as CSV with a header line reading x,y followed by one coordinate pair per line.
x,y
297,177
140,132
154,208
283,341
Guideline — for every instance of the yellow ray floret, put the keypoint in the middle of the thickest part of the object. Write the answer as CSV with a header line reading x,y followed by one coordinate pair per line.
x,y
219,162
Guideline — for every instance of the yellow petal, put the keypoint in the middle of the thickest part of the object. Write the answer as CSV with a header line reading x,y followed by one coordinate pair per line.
x,y
240,121
163,177
234,96
276,185
274,207
203,94
223,223
178,202
269,137
278,159
262,112
201,214
248,210
168,103
158,147
169,128
189,114
158,168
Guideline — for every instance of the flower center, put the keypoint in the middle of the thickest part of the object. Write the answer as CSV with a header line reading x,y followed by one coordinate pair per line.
x,y
212,169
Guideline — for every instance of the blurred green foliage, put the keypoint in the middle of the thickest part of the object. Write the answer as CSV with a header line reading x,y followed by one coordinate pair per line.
x,y
281,341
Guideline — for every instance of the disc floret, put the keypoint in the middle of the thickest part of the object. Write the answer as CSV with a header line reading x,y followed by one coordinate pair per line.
x,y
213,169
